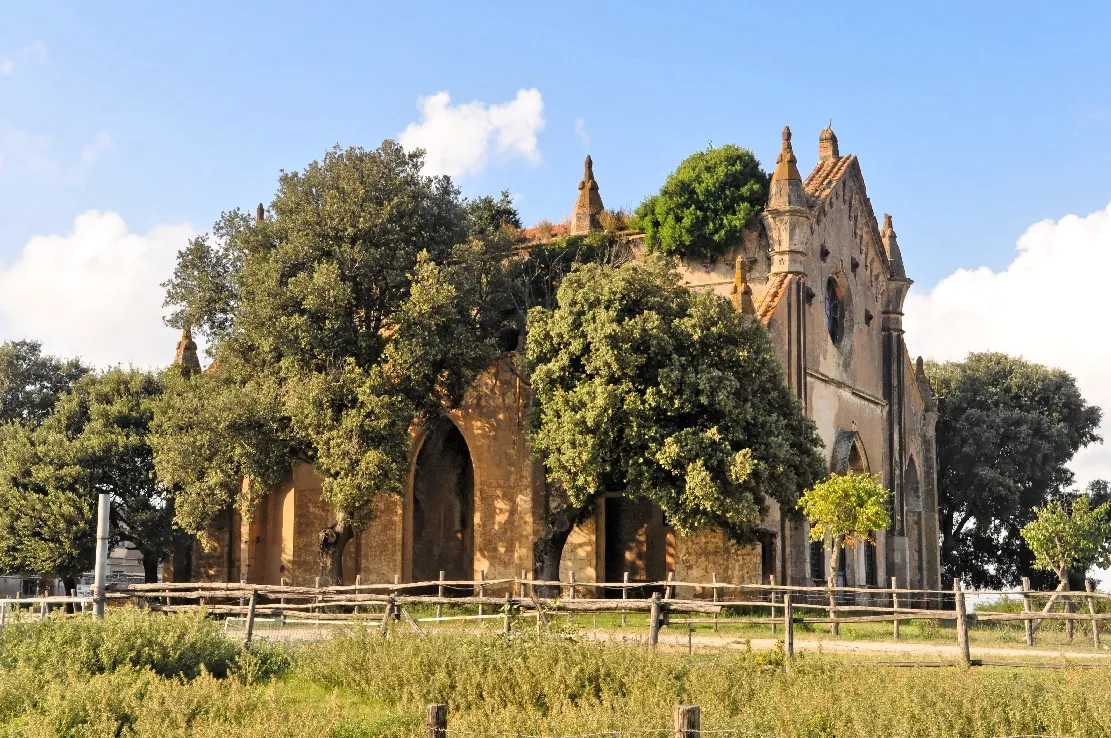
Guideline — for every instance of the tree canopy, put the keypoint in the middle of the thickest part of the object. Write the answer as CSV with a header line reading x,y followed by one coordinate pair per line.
x,y
705,203
30,383
648,389
1065,539
356,307
1006,430
846,509
95,441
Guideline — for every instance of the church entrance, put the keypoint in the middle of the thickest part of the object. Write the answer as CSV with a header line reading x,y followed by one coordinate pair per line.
x,y
635,542
442,536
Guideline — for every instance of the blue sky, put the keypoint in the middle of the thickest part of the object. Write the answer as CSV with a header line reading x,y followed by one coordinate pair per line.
x,y
982,127
971,122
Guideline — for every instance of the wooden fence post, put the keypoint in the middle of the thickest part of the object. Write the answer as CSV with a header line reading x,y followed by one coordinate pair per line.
x,y
1028,624
522,584
895,607
358,582
435,721
440,594
654,621
714,576
624,596
962,623
388,615
481,590
687,721
1068,623
571,595
669,591
774,597
3,612
250,620
1092,609
43,610
788,627
505,621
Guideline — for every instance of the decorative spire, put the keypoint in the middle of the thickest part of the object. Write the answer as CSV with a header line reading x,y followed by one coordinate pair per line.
x,y
186,356
827,144
786,185
588,206
891,246
742,292
259,213
924,388
786,168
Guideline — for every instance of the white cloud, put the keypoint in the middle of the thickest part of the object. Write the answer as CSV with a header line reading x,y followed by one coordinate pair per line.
x,y
457,138
582,133
1048,305
92,151
36,52
7,66
94,292
39,154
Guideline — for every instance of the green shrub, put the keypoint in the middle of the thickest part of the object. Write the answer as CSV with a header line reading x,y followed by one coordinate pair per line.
x,y
170,646
705,203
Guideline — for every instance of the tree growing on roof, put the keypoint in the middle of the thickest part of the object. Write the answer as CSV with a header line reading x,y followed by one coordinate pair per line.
x,y
705,203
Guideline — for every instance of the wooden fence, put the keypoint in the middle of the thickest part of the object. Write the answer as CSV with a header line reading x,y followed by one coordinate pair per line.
x,y
703,603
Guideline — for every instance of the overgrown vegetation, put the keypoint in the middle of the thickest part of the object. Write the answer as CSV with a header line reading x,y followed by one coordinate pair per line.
x,y
1006,431
141,675
705,203
648,389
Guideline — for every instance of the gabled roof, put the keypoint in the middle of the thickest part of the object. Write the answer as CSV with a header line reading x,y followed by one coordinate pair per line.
x,y
826,174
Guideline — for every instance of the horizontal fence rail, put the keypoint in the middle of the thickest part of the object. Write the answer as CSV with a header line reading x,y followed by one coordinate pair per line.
x,y
507,599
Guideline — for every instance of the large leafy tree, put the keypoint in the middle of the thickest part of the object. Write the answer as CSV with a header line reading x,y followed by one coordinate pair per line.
x,y
30,383
1006,430
354,309
705,203
648,389
95,441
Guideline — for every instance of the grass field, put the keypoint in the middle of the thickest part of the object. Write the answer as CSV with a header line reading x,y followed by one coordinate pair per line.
x,y
137,674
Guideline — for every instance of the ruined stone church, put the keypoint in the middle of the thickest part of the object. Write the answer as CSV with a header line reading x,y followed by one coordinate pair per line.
x,y
827,280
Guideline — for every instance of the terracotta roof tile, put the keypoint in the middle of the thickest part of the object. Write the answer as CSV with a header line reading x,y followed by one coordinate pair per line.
x,y
820,181
777,288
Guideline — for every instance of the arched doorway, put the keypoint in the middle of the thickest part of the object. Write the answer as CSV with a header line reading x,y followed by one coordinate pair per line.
x,y
442,536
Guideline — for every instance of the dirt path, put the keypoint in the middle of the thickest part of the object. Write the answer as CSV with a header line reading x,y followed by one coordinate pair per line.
x,y
917,651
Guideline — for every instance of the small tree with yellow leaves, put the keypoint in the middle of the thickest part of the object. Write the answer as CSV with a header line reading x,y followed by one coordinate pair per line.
x,y
845,508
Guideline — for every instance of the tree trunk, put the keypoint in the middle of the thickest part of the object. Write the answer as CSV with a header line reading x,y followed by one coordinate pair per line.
x,y
836,551
150,566
70,584
547,551
1062,587
949,545
333,540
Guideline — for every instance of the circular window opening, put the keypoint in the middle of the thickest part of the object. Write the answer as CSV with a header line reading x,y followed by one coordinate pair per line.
x,y
835,310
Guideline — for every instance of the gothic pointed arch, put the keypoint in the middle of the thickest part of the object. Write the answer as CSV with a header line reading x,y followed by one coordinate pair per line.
x,y
440,505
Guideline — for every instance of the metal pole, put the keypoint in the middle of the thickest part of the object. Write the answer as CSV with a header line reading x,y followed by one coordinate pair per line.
x,y
100,574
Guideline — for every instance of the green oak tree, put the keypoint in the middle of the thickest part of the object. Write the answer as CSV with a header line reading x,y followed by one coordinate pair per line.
x,y
357,306
648,389
1006,430
30,383
96,441
705,203
845,509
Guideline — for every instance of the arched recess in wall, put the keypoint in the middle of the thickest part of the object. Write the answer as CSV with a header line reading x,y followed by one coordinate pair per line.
x,y
441,514
849,455
915,522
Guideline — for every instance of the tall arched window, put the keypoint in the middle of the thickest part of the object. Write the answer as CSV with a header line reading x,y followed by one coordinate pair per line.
x,y
835,310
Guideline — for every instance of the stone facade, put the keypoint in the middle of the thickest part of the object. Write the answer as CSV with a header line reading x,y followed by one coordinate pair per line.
x,y
827,281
